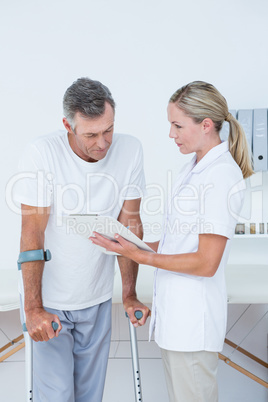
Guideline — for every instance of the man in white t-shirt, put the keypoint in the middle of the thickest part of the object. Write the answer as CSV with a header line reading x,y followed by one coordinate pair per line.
x,y
85,169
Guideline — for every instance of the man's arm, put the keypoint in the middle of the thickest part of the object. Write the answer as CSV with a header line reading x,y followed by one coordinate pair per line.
x,y
154,245
38,321
130,217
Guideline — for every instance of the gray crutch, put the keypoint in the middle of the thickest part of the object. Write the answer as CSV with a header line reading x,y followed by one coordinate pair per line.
x,y
27,256
135,357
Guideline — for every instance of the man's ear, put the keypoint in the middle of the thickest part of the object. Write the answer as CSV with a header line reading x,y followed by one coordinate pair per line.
x,y
67,125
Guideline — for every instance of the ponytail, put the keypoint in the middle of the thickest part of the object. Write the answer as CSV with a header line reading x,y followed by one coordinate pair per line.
x,y
238,146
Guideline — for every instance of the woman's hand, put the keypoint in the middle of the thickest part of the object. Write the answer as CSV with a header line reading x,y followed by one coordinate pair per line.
x,y
120,246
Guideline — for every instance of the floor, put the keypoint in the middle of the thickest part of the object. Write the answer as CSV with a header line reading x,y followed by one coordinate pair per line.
x,y
233,386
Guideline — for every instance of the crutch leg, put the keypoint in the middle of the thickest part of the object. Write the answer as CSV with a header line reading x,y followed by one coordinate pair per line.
x,y
135,357
27,256
28,366
28,349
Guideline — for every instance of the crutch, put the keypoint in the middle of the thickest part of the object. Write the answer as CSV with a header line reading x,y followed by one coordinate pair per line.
x,y
135,358
27,256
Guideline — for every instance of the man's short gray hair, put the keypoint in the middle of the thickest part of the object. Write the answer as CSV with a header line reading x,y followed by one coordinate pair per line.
x,y
87,97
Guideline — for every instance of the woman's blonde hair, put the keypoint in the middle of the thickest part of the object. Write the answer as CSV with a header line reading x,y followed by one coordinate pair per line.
x,y
200,100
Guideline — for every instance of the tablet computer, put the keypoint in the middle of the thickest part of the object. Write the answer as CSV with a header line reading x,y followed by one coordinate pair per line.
x,y
84,225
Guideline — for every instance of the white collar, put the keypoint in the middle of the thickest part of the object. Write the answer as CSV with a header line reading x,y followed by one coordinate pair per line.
x,y
213,154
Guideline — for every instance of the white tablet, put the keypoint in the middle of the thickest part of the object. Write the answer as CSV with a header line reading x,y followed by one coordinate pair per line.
x,y
85,225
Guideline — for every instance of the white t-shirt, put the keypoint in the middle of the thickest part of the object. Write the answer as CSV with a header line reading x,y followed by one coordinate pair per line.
x,y
189,312
79,274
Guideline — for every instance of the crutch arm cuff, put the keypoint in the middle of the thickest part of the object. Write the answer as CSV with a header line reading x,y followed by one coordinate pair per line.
x,y
33,255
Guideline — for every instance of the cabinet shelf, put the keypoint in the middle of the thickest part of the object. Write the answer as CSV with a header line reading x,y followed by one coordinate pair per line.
x,y
251,236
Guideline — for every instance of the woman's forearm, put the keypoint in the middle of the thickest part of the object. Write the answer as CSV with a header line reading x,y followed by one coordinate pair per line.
x,y
190,263
204,262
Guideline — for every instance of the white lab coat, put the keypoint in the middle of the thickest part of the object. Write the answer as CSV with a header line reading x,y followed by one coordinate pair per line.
x,y
189,312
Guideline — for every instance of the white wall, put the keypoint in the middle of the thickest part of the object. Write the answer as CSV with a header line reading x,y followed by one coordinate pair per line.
x,y
142,50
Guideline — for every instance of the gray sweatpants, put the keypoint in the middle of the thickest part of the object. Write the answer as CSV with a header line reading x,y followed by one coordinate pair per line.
x,y
72,367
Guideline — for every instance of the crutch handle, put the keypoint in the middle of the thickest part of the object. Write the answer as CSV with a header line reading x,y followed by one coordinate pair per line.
x,y
54,324
138,314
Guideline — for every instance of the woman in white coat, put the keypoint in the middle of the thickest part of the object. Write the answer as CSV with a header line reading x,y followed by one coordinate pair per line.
x,y
189,310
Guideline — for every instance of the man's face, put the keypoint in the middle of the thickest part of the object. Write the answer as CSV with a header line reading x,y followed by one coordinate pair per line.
x,y
91,138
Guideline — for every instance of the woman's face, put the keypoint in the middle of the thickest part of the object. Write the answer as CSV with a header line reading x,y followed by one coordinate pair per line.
x,y
187,134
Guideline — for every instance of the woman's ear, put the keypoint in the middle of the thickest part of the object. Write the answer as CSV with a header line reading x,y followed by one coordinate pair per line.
x,y
207,124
